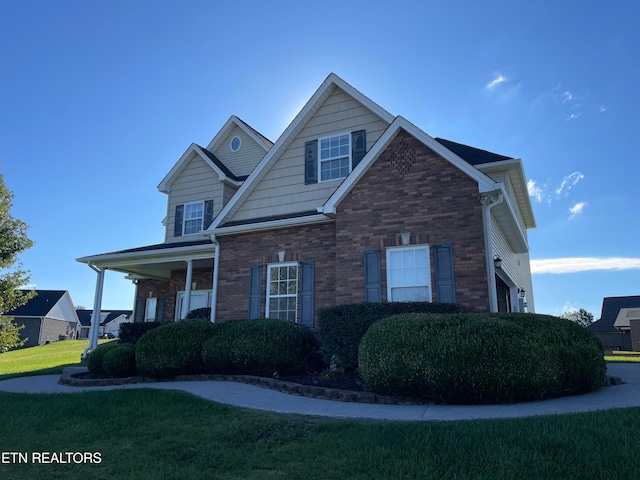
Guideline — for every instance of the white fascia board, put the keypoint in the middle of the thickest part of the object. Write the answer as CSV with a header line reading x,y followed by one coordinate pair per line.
x,y
193,252
273,225
224,131
485,184
521,239
272,155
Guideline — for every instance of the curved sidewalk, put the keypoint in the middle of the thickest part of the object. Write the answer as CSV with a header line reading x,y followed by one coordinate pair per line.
x,y
248,396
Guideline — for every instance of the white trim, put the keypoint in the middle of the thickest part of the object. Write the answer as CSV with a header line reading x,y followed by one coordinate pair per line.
x,y
268,296
180,295
405,248
152,318
185,219
287,137
224,131
231,143
273,224
320,160
195,252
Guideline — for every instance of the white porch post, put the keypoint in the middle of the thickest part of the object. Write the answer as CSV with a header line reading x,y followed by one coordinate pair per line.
x,y
186,302
97,307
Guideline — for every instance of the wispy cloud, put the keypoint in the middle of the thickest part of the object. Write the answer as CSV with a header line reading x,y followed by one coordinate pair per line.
x,y
30,286
577,209
567,96
569,182
573,116
496,81
583,264
603,109
535,191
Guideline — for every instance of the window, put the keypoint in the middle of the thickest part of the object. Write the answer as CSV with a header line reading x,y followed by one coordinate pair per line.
x,y
235,144
408,274
335,157
150,311
282,292
193,216
199,299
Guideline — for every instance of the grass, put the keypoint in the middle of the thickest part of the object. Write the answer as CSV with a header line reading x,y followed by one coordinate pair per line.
x,y
622,356
148,434
43,359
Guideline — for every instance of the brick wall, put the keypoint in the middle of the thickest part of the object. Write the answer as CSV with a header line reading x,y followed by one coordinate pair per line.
x,y
412,189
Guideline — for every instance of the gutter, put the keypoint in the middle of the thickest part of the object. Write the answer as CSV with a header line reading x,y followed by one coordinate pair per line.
x,y
216,270
488,202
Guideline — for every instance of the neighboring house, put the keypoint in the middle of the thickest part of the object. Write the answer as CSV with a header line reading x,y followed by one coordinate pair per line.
x,y
110,321
48,317
619,325
351,204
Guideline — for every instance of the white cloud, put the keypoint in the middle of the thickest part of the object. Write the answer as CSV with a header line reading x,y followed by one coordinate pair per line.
x,y
568,182
567,96
583,264
31,286
603,109
573,116
496,81
577,209
534,190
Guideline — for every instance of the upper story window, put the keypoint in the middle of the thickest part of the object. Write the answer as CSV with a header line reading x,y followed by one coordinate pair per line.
x,y
192,218
335,157
235,144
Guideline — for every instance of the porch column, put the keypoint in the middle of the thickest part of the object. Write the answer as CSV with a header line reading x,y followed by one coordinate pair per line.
x,y
186,302
95,314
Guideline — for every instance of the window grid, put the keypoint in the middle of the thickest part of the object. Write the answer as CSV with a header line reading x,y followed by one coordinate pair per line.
x,y
282,292
193,216
335,157
409,276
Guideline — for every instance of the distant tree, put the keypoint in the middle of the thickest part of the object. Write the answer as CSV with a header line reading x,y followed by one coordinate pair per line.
x,y
581,317
13,241
10,335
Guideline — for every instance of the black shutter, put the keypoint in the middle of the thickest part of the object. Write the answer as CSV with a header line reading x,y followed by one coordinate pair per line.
x,y
311,162
208,214
307,284
255,291
445,282
177,228
358,146
160,310
372,276
138,315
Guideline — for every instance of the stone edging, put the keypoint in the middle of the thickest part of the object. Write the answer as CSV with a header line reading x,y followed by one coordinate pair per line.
x,y
270,383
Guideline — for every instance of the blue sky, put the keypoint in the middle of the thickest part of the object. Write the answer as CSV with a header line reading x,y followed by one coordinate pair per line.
x,y
99,99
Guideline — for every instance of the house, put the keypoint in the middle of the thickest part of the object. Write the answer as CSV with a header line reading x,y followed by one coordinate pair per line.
x,y
110,321
619,325
48,317
350,204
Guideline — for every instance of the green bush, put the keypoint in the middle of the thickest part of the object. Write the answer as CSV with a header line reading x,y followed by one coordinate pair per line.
x,y
96,357
341,328
204,313
120,361
173,349
258,347
131,332
480,358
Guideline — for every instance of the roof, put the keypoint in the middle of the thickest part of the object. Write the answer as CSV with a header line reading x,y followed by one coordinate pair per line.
x,y
625,316
38,306
471,155
222,166
85,316
610,309
159,246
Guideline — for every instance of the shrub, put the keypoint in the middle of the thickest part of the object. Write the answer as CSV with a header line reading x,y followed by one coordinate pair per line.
x,y
203,313
173,349
341,328
258,347
96,357
131,332
481,358
120,361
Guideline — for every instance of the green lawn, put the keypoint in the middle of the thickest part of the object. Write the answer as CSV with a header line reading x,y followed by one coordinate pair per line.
x,y
43,359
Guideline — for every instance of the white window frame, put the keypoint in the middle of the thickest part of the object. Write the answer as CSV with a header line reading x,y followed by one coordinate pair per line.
x,y
333,158
180,301
185,219
404,283
270,296
150,307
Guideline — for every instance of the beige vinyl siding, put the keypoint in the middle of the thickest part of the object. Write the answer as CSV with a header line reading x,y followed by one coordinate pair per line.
x,y
516,266
244,160
197,182
505,178
282,190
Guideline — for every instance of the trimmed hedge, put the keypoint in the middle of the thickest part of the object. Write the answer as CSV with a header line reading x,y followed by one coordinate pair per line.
x,y
258,347
173,349
121,361
131,332
96,357
341,328
480,358
203,313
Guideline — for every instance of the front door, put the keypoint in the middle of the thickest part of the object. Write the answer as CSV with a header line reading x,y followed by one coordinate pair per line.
x,y
504,295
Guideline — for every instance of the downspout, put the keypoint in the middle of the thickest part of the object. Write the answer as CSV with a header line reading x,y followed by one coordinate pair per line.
x,y
216,270
95,315
488,202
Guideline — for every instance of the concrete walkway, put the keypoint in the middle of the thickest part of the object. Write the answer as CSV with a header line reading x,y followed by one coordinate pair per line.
x,y
248,396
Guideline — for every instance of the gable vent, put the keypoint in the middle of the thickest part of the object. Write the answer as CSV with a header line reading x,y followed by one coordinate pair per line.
x,y
403,157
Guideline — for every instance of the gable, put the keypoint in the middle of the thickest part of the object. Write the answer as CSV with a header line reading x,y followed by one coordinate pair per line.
x,y
38,306
248,154
282,190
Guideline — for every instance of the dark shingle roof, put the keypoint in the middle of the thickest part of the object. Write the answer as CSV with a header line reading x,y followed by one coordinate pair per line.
x,y
471,155
610,308
160,246
222,166
85,316
39,305
266,141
